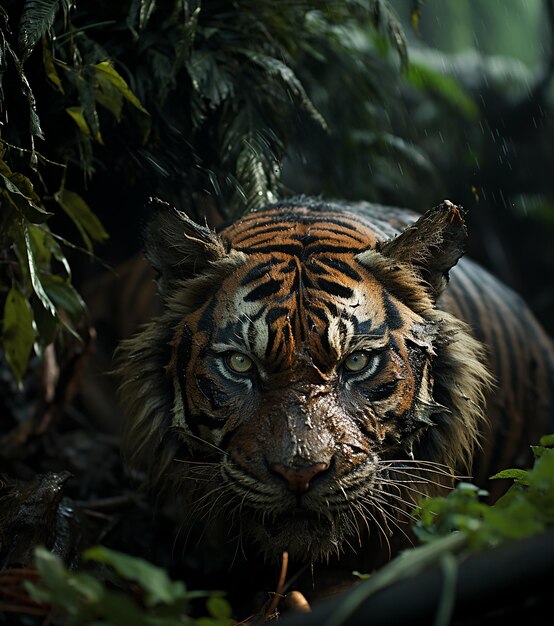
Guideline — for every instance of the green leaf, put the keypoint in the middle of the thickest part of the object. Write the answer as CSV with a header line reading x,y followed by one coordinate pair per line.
x,y
119,610
108,96
219,608
46,325
34,121
210,78
50,68
86,221
37,18
65,296
547,441
34,273
106,73
73,592
426,78
520,476
77,115
26,200
18,334
158,586
276,68
147,7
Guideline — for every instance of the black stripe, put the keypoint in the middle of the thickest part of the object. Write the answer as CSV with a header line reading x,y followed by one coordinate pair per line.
x,y
342,267
261,229
275,314
205,323
183,356
319,312
269,288
257,272
298,250
381,391
335,289
210,391
394,319
293,249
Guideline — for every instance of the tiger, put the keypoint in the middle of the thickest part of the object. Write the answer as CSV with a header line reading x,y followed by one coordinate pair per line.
x,y
319,366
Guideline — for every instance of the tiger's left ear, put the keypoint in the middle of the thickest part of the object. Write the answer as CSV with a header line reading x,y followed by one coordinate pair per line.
x,y
432,245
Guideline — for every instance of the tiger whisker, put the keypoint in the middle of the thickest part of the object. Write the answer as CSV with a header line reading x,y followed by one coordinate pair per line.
x,y
198,463
400,499
204,441
425,479
438,469
391,518
376,498
405,487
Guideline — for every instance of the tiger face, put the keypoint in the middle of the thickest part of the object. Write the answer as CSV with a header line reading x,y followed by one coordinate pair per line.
x,y
296,386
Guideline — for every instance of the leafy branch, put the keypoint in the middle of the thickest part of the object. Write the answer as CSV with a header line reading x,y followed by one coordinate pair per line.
x,y
178,99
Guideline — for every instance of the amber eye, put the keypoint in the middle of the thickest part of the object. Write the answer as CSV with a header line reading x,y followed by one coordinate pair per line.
x,y
356,362
240,363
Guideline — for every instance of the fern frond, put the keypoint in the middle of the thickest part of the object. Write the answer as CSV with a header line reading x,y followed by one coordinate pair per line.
x,y
36,20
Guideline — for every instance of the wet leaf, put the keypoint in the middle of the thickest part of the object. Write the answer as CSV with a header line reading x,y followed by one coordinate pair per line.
x,y
46,324
77,114
110,98
147,7
82,216
275,67
36,20
34,273
62,293
105,72
18,334
210,78
26,200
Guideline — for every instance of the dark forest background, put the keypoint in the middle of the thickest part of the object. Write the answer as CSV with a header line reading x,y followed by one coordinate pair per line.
x,y
218,107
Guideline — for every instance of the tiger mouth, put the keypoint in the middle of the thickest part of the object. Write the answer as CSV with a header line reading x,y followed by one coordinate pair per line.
x,y
299,521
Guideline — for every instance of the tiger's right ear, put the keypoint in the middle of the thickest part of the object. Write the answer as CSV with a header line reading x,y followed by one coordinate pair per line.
x,y
177,247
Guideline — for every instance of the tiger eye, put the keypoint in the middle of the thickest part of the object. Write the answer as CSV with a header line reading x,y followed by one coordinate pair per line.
x,y
240,363
356,362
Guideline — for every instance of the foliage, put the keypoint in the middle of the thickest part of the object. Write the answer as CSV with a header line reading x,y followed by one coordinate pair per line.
x,y
451,527
195,102
132,591
127,589
526,509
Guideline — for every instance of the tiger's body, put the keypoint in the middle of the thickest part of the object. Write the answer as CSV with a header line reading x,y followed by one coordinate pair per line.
x,y
310,376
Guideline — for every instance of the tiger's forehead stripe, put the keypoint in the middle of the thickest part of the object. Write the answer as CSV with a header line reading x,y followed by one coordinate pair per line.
x,y
276,307
301,231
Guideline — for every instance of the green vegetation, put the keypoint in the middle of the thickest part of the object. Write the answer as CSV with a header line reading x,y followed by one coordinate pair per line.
x,y
452,526
104,105
217,107
129,591
527,508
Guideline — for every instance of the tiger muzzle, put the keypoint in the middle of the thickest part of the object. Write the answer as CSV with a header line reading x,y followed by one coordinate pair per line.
x,y
299,477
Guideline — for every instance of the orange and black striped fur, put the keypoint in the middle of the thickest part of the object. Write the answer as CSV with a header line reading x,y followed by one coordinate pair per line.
x,y
314,372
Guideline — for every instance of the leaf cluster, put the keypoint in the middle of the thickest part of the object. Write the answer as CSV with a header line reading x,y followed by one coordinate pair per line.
x,y
175,98
37,295
527,508
130,590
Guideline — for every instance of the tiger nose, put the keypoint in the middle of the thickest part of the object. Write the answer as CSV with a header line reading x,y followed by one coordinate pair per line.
x,y
298,477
